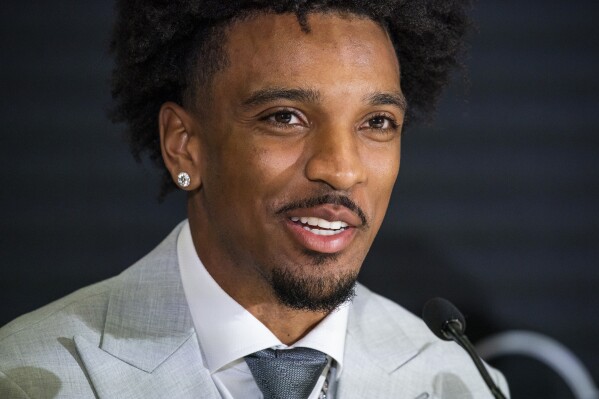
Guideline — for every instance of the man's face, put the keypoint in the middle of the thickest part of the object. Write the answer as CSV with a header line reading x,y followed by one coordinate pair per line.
x,y
299,150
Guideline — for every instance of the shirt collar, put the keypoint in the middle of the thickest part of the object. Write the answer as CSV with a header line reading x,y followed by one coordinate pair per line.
x,y
227,331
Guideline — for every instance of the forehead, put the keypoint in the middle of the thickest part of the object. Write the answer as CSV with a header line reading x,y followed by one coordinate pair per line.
x,y
273,49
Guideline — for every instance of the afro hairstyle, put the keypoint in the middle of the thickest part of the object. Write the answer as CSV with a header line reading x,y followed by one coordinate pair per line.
x,y
164,51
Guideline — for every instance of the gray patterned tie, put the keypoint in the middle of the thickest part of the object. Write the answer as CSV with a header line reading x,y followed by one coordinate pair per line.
x,y
286,373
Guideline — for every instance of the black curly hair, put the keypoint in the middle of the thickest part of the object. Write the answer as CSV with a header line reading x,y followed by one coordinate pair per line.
x,y
166,49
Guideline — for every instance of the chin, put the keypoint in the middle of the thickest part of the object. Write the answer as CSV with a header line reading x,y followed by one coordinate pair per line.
x,y
315,292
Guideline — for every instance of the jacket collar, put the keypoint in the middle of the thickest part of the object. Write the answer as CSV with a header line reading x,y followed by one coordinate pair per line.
x,y
376,332
376,346
148,348
148,317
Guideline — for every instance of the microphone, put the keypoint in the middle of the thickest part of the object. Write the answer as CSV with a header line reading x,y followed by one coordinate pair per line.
x,y
448,323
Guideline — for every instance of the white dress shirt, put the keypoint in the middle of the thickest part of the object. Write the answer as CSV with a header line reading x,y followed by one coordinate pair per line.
x,y
227,332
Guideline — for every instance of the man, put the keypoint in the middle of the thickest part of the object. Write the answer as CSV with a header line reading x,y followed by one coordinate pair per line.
x,y
282,121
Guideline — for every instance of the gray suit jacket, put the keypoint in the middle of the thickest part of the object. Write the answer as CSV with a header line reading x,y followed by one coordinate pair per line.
x,y
132,336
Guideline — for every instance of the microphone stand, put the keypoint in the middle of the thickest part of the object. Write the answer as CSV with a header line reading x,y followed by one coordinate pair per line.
x,y
453,329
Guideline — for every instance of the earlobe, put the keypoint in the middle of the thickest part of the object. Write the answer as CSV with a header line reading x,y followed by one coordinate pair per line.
x,y
179,145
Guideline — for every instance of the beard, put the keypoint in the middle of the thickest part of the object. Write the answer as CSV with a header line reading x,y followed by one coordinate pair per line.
x,y
313,293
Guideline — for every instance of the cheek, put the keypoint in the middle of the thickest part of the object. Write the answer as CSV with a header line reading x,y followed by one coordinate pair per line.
x,y
383,171
259,170
272,165
383,164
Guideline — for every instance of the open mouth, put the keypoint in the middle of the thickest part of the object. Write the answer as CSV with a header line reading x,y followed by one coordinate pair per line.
x,y
320,226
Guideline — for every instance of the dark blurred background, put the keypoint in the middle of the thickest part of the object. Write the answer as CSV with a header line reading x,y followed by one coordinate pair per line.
x,y
496,207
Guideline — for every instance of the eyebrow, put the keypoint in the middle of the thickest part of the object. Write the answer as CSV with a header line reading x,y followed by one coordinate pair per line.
x,y
390,98
267,95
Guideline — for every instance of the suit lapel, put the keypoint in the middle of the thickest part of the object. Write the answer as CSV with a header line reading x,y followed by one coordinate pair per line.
x,y
149,347
375,347
182,375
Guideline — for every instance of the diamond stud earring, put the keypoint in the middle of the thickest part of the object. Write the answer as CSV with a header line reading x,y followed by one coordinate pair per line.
x,y
183,180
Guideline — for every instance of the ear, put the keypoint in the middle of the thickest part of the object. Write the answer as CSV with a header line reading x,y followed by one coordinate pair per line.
x,y
180,144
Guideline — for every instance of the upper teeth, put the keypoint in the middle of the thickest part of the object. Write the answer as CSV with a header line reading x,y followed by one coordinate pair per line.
x,y
325,224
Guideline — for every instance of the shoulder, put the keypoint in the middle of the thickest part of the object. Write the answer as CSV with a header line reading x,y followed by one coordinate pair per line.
x,y
374,318
37,349
87,303
84,311
38,354
383,335
369,307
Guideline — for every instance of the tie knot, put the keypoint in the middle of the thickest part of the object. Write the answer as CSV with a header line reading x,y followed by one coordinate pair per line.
x,y
286,373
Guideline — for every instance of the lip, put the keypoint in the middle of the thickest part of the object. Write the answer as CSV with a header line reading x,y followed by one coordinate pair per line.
x,y
318,243
328,212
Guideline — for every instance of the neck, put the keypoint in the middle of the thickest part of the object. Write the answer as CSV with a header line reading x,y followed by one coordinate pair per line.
x,y
287,324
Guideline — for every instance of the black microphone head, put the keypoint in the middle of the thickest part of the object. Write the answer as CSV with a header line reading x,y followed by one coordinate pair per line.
x,y
437,313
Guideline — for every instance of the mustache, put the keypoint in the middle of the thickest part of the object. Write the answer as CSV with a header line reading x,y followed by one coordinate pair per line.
x,y
331,199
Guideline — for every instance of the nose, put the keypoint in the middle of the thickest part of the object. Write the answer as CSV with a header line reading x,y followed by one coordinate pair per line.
x,y
335,159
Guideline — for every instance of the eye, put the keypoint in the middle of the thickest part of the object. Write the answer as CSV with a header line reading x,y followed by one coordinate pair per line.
x,y
380,122
284,121
284,118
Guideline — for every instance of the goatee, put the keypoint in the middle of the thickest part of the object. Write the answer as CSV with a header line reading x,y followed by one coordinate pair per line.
x,y
313,293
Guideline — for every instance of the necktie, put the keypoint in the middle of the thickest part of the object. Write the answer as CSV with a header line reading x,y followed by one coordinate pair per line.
x,y
286,374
